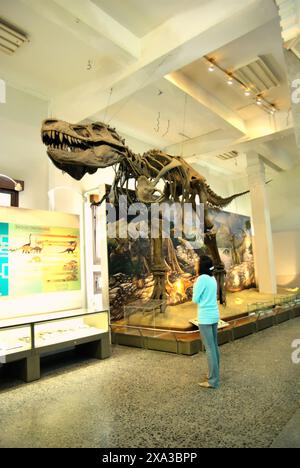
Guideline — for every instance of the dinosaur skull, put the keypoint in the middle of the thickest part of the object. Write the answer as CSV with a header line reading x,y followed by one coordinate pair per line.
x,y
80,149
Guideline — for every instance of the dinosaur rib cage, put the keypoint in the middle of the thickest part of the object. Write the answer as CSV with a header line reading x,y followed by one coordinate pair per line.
x,y
177,180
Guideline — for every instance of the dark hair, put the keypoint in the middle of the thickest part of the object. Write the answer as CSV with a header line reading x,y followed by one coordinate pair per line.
x,y
206,266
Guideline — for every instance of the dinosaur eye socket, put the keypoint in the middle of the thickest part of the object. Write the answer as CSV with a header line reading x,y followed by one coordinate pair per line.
x,y
98,127
82,131
50,122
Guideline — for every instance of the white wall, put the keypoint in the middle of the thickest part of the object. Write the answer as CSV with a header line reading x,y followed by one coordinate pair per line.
x,y
22,155
284,201
284,196
242,204
287,257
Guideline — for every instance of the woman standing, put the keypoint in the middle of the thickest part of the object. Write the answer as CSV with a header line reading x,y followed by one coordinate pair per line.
x,y
205,295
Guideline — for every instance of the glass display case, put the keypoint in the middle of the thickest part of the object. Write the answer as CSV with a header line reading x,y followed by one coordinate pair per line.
x,y
14,340
261,308
297,299
69,329
140,311
36,335
286,302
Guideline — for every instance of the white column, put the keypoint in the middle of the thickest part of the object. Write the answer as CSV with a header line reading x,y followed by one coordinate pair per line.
x,y
263,242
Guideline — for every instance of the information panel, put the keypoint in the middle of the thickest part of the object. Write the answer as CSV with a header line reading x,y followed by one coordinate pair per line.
x,y
38,259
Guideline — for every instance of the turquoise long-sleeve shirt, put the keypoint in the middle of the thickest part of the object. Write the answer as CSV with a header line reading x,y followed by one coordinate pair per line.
x,y
205,295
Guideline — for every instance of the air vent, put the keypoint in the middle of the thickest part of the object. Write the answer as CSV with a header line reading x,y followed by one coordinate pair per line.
x,y
257,76
10,38
229,155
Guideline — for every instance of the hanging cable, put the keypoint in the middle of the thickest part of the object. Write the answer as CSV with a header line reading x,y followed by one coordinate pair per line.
x,y
167,131
184,121
157,129
143,84
108,104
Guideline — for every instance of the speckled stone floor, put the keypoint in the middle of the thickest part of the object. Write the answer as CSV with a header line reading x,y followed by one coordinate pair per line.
x,y
140,398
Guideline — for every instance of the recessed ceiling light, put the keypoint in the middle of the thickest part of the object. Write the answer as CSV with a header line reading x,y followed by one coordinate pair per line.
x,y
259,101
247,92
211,64
230,80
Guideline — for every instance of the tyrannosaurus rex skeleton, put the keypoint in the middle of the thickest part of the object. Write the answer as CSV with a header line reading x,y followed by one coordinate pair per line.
x,y
81,149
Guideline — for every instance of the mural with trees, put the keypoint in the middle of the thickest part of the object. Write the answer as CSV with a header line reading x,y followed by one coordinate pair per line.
x,y
129,263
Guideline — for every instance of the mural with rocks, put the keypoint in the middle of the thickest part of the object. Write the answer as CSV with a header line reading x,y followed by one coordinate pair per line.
x,y
130,264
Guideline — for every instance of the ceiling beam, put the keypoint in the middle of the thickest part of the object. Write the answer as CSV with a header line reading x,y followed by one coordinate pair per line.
x,y
275,155
225,117
289,12
51,11
103,24
168,48
193,149
209,143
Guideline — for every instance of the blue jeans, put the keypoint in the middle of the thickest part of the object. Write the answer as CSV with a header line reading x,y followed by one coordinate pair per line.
x,y
209,334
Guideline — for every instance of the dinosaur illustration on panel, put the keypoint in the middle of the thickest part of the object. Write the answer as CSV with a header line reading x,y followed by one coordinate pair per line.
x,y
83,149
71,249
26,248
29,248
37,249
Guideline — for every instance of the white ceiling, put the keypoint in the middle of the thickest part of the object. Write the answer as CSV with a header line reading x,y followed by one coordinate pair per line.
x,y
142,16
265,42
157,115
54,60
126,83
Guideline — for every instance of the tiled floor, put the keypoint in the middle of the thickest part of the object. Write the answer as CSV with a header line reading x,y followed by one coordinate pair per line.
x,y
141,398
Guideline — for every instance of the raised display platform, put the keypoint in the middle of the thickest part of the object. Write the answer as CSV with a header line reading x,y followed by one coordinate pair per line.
x,y
134,330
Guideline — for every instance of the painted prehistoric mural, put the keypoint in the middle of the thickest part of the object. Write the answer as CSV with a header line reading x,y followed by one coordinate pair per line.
x,y
234,241
35,259
129,263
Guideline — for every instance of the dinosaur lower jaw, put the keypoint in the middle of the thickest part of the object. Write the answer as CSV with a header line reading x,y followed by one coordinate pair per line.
x,y
97,157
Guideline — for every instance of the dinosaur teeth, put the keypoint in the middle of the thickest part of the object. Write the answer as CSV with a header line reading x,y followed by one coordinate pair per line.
x,y
61,137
